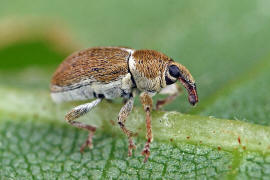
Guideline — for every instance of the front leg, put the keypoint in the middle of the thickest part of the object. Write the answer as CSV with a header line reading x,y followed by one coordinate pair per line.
x,y
147,103
173,91
123,114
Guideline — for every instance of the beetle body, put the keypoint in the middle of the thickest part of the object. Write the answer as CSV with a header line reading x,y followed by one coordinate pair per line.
x,y
112,72
93,73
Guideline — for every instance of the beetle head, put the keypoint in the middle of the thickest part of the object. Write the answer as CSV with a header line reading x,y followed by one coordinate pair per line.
x,y
176,71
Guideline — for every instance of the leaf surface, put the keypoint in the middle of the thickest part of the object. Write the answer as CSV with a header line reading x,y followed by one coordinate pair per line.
x,y
226,47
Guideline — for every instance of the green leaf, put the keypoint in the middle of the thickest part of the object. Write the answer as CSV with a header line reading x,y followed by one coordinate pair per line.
x,y
226,47
34,142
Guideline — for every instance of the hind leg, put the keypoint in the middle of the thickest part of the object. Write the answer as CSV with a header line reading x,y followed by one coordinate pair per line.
x,y
78,112
123,114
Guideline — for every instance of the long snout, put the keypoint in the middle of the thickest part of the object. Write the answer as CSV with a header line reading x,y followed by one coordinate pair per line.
x,y
192,91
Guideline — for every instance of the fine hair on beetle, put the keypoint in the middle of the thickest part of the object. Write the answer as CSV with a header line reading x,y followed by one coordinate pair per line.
x,y
111,72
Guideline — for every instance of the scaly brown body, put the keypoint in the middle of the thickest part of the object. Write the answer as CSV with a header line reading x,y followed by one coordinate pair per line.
x,y
92,73
102,64
111,72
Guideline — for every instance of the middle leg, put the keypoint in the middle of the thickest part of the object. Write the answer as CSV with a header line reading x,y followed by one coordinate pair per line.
x,y
147,103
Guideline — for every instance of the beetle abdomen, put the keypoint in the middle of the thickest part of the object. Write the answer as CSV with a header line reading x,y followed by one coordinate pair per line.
x,y
110,90
91,73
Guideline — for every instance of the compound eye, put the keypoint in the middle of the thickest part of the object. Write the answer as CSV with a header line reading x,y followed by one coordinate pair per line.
x,y
174,71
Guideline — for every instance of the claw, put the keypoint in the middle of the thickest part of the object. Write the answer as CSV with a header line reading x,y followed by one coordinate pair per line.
x,y
159,104
88,142
131,147
146,152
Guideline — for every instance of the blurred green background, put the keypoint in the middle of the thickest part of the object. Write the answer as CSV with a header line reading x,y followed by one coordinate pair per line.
x,y
224,44
218,41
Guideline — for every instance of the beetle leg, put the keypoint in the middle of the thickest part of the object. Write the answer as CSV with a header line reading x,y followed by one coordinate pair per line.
x,y
125,101
147,106
173,91
76,113
123,114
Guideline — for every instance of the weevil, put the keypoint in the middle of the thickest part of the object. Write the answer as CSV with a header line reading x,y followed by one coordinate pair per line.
x,y
111,72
